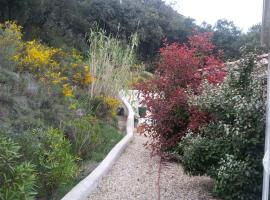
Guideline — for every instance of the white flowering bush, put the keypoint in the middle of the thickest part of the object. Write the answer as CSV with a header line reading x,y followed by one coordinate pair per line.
x,y
237,112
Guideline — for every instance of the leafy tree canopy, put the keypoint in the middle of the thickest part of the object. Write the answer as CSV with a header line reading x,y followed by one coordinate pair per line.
x,y
232,40
65,22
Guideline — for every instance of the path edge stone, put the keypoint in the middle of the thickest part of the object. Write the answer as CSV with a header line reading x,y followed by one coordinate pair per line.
x,y
85,187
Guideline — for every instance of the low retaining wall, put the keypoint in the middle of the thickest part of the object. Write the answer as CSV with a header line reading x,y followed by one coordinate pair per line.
x,y
84,188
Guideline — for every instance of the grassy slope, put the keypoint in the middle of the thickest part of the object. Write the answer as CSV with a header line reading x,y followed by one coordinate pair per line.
x,y
110,136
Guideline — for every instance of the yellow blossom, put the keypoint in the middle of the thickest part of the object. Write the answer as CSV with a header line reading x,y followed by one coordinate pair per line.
x,y
87,79
78,158
67,91
55,81
111,102
72,106
86,68
64,78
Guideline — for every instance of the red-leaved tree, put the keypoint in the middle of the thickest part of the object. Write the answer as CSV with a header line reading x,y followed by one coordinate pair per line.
x,y
181,67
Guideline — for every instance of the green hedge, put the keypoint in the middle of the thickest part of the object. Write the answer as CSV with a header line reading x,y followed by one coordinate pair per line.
x,y
230,149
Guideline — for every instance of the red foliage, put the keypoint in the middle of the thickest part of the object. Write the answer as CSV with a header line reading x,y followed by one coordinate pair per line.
x,y
181,67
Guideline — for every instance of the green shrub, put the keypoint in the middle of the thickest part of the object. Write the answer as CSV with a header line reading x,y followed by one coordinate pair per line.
x,y
55,164
17,178
238,180
202,155
85,135
91,139
178,151
194,157
237,108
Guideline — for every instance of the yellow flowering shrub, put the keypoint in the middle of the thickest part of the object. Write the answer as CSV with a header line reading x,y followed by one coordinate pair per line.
x,y
87,78
40,61
52,66
12,27
73,70
110,104
67,90
80,72
38,55
10,43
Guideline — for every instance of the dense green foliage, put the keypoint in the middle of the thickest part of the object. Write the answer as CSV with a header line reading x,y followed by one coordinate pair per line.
x,y
230,149
237,179
252,42
234,43
85,133
65,22
17,178
227,37
55,163
202,154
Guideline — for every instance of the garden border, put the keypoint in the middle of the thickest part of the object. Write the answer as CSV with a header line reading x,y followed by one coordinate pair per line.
x,y
84,188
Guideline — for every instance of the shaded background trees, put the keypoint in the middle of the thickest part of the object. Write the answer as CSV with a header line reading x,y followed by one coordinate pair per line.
x,y
64,23
232,40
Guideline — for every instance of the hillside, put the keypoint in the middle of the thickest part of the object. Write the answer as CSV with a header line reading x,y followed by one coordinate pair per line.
x,y
64,23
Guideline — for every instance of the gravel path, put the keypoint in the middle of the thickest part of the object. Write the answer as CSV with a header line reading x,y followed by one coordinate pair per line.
x,y
135,175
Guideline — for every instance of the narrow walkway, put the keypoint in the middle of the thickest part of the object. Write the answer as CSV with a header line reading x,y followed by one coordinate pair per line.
x,y
135,175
